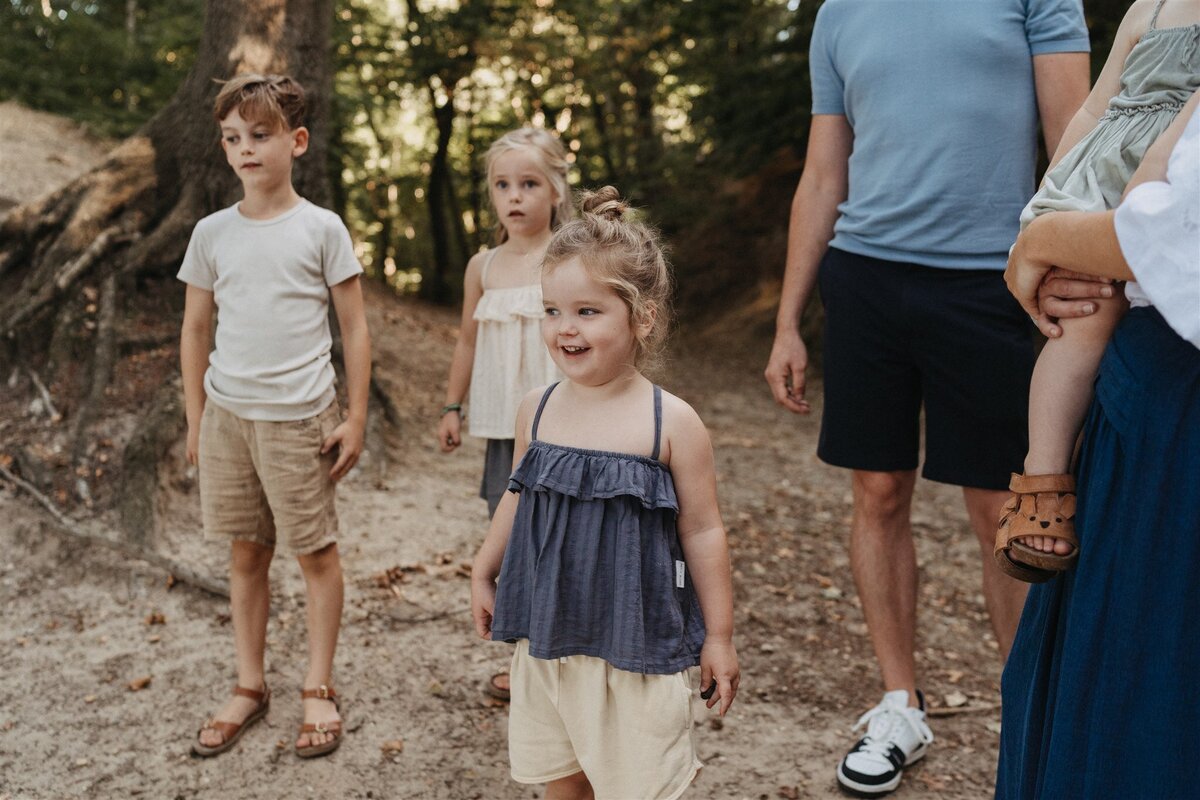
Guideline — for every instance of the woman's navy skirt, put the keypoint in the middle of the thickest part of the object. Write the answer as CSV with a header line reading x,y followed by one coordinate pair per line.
x,y
1102,689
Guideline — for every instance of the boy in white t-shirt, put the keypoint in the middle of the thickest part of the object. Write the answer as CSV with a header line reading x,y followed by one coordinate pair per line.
x,y
263,420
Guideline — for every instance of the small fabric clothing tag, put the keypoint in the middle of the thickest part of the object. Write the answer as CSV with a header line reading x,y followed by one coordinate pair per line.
x,y
679,574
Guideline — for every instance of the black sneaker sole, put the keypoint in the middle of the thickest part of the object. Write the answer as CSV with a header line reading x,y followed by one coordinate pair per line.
x,y
884,789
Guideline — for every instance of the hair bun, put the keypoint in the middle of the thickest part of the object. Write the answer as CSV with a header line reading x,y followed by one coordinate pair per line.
x,y
605,202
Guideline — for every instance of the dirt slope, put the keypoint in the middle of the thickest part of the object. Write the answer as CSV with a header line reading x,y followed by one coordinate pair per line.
x,y
77,627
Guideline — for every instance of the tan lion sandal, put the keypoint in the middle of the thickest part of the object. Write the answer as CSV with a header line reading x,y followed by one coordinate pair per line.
x,y
1041,505
333,729
232,731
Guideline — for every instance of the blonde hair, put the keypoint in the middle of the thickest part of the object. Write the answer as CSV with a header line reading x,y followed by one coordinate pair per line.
x,y
277,100
551,156
625,255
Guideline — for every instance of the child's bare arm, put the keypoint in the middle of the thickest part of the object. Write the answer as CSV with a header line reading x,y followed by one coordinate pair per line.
x,y
450,425
195,339
1061,84
356,351
486,566
702,535
1108,83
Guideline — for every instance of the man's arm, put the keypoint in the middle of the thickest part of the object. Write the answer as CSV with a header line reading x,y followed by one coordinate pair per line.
x,y
1061,81
823,186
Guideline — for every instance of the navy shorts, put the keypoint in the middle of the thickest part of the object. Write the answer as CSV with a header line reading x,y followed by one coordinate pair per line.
x,y
901,336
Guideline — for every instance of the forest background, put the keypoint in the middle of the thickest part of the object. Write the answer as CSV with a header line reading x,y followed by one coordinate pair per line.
x,y
696,109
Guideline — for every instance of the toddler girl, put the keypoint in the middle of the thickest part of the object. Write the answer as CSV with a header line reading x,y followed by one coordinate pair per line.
x,y
1154,67
500,355
611,555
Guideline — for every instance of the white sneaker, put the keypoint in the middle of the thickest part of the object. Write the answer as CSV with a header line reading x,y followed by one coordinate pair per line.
x,y
897,736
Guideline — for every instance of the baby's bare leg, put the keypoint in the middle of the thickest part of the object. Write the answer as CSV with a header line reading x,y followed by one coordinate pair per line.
x,y
1060,393
322,572
250,603
572,787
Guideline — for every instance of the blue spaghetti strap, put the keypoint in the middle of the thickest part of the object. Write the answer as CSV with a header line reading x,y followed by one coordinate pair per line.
x,y
657,421
541,407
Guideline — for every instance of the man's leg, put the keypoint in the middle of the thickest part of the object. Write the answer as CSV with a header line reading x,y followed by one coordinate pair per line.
x,y
1004,596
884,563
322,572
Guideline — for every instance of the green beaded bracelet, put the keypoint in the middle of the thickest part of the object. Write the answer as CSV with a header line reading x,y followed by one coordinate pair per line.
x,y
451,407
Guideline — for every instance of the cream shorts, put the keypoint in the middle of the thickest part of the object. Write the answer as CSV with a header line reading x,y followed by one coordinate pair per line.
x,y
630,734
267,482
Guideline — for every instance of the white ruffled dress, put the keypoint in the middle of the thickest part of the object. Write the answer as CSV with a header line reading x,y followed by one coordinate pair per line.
x,y
510,357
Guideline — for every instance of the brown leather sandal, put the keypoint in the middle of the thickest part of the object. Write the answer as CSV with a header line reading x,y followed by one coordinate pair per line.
x,y
1041,505
334,729
232,731
497,690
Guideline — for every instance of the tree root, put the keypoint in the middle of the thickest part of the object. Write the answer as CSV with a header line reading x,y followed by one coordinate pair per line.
x,y
50,291
102,366
177,570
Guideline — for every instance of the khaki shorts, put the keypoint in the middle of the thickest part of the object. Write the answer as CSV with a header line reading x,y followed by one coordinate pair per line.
x,y
263,481
630,734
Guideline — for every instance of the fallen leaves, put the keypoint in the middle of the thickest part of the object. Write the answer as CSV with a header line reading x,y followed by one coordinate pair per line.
x,y
137,684
155,618
392,747
443,566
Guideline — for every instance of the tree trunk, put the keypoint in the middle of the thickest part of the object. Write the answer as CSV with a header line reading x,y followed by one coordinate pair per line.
x,y
441,200
131,217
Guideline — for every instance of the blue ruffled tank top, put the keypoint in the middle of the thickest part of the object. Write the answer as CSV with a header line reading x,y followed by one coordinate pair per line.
x,y
593,564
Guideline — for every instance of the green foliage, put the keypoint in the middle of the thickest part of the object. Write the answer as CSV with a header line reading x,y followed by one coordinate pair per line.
x,y
672,101
109,63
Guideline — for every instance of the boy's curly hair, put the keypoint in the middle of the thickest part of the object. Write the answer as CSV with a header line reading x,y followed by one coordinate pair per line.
x,y
626,255
277,100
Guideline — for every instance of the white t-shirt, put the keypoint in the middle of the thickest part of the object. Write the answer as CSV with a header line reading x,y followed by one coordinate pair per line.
x,y
1158,226
270,280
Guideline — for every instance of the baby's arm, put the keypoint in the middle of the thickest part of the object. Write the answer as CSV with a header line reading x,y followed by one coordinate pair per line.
x,y
486,567
1108,84
195,339
356,352
702,535
450,425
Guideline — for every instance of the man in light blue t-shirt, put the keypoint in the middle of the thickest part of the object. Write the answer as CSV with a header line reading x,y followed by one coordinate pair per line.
x,y
921,155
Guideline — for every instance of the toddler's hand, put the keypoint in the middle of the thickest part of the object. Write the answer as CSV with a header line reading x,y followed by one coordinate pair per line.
x,y
193,444
719,664
449,431
348,437
483,603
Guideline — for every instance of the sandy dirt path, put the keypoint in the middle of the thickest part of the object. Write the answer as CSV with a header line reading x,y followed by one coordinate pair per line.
x,y
76,629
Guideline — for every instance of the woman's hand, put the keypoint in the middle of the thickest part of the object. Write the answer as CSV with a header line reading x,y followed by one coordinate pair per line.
x,y
1024,276
1049,293
719,665
1067,295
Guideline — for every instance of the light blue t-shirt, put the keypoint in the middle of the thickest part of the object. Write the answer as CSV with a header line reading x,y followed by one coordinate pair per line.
x,y
940,96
